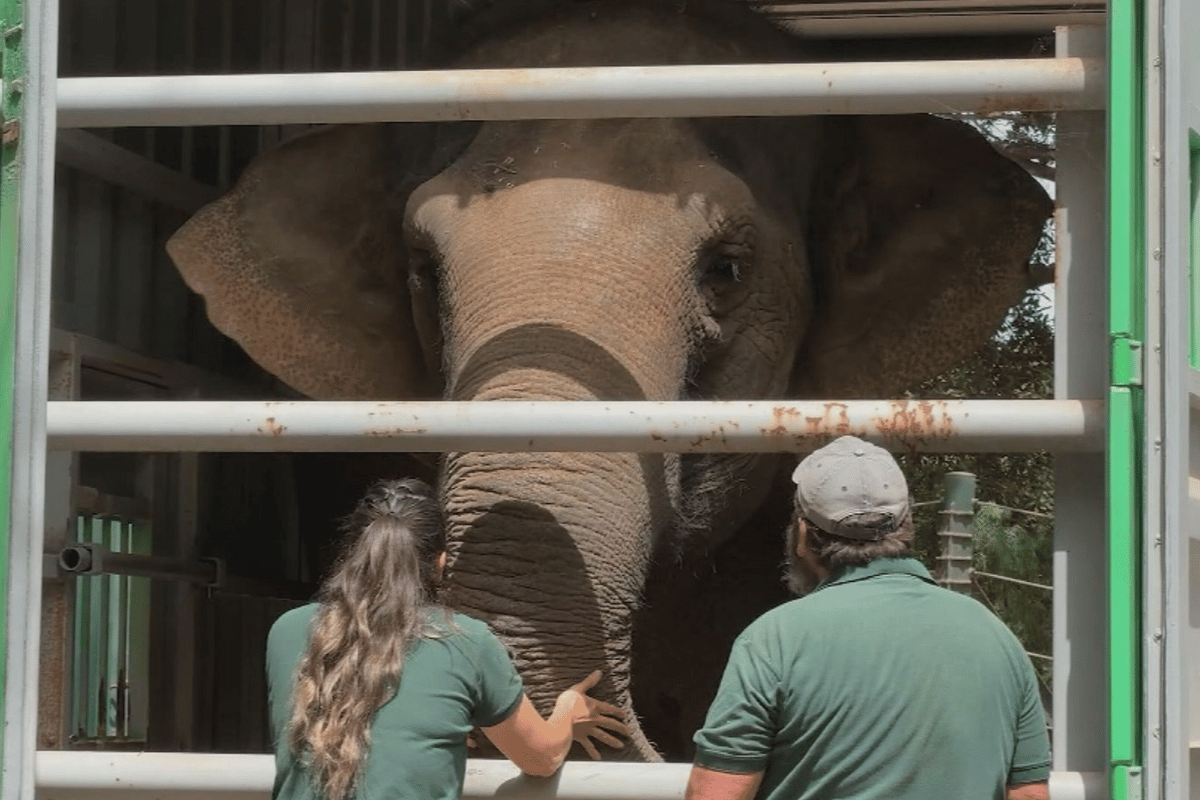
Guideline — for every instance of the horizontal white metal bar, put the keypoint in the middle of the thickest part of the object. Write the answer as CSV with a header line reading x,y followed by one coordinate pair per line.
x,y
76,775
582,93
890,26
1079,786
121,167
67,775
894,18
565,426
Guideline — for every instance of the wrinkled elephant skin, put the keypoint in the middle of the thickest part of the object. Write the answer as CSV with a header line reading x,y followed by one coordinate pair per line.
x,y
644,259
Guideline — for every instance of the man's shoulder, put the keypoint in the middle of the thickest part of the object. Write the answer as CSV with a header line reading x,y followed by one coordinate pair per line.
x,y
793,614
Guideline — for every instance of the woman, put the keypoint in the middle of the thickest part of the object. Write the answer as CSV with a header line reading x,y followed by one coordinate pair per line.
x,y
374,689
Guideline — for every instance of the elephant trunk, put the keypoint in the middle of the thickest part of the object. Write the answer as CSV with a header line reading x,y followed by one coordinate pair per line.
x,y
546,549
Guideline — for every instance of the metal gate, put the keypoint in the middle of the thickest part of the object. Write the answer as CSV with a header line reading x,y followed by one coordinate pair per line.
x,y
1113,442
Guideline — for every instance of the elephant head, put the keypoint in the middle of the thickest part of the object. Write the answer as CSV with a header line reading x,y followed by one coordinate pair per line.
x,y
655,259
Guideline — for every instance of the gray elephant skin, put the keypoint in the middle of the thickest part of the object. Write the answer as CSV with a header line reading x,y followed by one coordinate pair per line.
x,y
617,259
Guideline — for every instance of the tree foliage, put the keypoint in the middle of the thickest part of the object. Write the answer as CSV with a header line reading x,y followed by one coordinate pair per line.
x,y
1018,363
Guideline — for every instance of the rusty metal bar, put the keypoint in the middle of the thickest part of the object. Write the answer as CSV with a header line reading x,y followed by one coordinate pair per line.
x,y
557,426
585,93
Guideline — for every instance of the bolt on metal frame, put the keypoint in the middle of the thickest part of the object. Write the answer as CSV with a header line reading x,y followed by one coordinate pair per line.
x,y
721,94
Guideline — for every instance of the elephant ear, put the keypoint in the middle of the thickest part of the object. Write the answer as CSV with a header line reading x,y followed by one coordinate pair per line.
x,y
304,265
919,246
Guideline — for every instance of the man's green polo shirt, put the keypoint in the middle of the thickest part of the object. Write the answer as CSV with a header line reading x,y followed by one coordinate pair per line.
x,y
879,684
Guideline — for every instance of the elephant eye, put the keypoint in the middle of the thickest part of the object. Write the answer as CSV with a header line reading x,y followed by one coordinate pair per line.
x,y
422,272
424,288
722,271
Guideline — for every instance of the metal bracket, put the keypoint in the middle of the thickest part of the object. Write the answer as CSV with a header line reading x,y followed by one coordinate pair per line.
x,y
1133,782
1126,362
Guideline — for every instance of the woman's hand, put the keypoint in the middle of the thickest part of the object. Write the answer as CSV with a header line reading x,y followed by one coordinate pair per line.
x,y
538,746
592,718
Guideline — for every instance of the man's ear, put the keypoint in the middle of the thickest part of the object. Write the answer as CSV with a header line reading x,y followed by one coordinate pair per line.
x,y
801,536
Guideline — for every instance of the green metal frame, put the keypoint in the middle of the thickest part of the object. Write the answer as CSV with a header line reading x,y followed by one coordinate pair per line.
x,y
1126,275
1126,230
12,68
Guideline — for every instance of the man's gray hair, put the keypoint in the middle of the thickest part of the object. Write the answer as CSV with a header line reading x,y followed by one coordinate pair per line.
x,y
837,551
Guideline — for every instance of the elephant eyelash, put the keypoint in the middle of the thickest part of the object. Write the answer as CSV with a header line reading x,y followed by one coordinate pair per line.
x,y
721,272
724,263
726,268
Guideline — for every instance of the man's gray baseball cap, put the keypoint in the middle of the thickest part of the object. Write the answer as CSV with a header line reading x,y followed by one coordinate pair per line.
x,y
849,477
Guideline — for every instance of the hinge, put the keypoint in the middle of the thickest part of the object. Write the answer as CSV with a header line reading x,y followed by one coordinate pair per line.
x,y
1126,361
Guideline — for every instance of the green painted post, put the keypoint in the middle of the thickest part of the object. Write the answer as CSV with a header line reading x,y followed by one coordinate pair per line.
x,y
12,72
1126,323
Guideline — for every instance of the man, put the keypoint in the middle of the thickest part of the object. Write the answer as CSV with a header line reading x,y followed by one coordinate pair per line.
x,y
879,683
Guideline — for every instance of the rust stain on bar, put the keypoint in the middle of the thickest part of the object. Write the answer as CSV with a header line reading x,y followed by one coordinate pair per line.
x,y
913,424
910,425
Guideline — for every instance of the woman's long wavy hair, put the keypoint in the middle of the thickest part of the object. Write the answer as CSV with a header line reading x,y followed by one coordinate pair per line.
x,y
372,609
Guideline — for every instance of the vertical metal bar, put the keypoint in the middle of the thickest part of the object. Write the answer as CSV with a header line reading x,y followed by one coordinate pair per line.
x,y
956,530
29,337
347,33
1081,370
225,136
97,641
426,28
1172,668
1126,306
58,595
187,145
139,639
402,58
1164,457
118,633
376,33
318,29
271,51
12,76
82,627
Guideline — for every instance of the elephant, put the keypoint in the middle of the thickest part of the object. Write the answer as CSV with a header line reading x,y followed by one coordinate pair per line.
x,y
611,259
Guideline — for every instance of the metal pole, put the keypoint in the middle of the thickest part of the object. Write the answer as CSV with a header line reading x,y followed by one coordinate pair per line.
x,y
957,529
79,775
584,93
90,559
27,355
566,426
1080,741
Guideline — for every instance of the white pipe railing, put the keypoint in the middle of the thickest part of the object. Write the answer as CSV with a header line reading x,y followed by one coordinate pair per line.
x,y
1046,84
574,426
76,775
